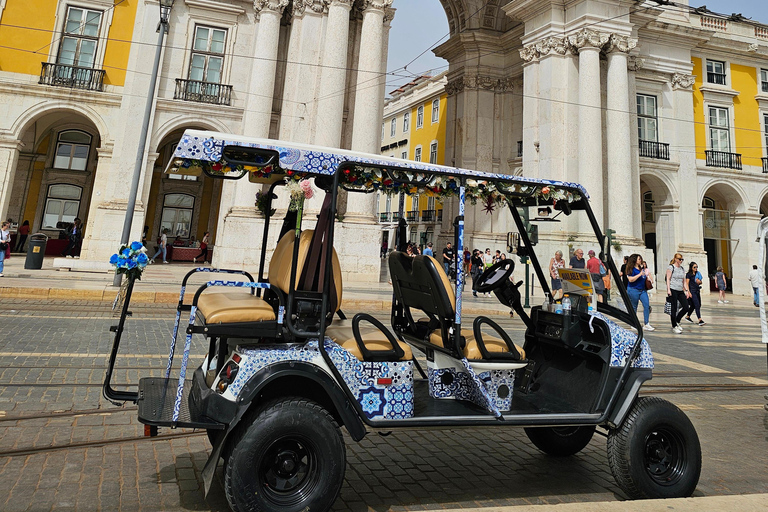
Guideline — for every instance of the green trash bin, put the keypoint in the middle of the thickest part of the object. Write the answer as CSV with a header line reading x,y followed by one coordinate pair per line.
x,y
36,251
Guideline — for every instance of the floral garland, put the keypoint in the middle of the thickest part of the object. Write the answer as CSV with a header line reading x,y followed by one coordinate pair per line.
x,y
130,260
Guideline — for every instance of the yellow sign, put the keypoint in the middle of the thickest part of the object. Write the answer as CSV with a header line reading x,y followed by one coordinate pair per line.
x,y
36,249
576,281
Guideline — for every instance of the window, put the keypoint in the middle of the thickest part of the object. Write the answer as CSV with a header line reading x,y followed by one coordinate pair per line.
x,y
404,154
648,207
764,80
417,154
647,118
389,204
207,55
765,128
431,203
393,127
435,111
61,205
406,121
719,130
177,214
716,72
433,153
708,202
415,203
382,132
80,38
420,117
72,150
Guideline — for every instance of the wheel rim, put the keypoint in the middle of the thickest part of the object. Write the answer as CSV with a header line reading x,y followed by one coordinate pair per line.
x,y
665,460
288,472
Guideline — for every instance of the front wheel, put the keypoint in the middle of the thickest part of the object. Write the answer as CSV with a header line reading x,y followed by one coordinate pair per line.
x,y
560,441
656,452
291,457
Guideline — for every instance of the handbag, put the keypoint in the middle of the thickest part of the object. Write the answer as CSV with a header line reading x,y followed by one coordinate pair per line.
x,y
3,246
648,284
668,306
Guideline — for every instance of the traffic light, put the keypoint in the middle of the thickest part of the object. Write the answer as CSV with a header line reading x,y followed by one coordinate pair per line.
x,y
609,240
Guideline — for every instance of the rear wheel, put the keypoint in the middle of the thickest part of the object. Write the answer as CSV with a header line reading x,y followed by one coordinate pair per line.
x,y
656,452
560,441
291,457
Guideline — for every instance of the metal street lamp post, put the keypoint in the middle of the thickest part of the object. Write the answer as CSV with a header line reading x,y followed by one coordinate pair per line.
x,y
162,29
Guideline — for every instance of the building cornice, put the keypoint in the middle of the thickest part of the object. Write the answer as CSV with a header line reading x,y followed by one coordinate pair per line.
x,y
218,7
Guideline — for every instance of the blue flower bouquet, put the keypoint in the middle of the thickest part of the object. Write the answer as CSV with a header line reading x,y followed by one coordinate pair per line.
x,y
130,260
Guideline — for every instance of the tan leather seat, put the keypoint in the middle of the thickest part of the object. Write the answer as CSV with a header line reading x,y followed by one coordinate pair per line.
x,y
471,350
374,340
241,306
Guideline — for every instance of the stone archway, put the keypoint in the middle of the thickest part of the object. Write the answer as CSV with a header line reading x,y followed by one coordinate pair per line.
x,y
658,212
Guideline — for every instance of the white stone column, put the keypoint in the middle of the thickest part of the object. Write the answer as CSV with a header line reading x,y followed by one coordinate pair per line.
x,y
237,239
330,104
620,214
588,43
9,158
530,56
366,124
633,65
690,229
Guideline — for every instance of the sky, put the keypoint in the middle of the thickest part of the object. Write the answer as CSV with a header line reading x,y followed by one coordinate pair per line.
x,y
421,24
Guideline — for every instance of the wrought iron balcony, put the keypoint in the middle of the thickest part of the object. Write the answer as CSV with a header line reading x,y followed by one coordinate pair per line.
x,y
723,159
765,165
203,92
61,75
429,215
386,217
716,78
412,216
651,149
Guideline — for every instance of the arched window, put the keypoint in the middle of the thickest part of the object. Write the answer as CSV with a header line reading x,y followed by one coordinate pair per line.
x,y
177,214
61,205
708,202
648,206
72,149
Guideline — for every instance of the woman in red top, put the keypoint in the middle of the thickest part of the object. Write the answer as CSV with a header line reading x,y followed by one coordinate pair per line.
x,y
23,232
203,249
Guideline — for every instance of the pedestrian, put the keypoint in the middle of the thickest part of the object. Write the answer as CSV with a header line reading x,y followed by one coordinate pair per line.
x,y
555,264
384,246
596,271
5,244
497,256
694,285
203,249
677,291
447,258
476,266
754,280
720,282
74,233
23,232
623,272
163,240
577,260
428,251
637,289
466,257
487,258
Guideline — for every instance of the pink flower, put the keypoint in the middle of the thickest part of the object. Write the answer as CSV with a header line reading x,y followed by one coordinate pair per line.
x,y
306,187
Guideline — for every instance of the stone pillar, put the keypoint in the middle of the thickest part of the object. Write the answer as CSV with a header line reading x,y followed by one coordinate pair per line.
x,y
633,65
330,104
237,239
620,214
589,43
530,55
9,158
689,234
367,124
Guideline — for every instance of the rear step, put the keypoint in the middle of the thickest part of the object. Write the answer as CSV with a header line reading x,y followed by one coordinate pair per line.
x,y
156,402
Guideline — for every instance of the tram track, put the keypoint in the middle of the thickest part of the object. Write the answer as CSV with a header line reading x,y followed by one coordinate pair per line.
x,y
65,414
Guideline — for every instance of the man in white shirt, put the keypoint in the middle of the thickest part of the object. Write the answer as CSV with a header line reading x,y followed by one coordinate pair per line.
x,y
754,280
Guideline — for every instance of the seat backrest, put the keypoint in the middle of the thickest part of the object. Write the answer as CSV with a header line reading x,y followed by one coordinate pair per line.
x,y
280,263
421,283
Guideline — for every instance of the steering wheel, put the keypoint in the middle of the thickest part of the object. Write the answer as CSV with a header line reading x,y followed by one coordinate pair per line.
x,y
495,276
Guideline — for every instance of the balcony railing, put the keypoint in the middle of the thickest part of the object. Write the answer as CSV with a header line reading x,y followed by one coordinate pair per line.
x,y
412,216
203,92
716,78
765,86
723,159
428,215
651,149
61,75
386,217
765,165
519,149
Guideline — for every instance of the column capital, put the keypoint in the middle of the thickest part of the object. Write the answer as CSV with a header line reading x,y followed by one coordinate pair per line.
x,y
342,3
620,44
389,15
682,81
546,46
378,5
276,6
635,63
315,6
588,39
479,82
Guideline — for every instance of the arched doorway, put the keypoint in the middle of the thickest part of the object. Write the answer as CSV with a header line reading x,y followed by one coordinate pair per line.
x,y
658,218
187,206
54,177
720,205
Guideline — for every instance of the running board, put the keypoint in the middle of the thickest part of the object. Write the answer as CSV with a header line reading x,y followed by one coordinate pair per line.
x,y
157,404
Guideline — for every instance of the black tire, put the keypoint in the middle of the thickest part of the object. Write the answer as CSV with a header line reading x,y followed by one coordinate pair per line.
x,y
656,452
289,457
560,441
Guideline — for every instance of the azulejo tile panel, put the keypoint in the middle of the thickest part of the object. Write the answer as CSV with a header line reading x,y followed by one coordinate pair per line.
x,y
622,341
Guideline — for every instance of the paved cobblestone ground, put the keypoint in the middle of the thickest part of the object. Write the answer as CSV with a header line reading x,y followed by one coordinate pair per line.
x,y
63,447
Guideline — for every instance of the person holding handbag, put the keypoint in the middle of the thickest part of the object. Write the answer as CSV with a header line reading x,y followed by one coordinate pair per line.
x,y
677,291
694,285
203,249
5,244
637,287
